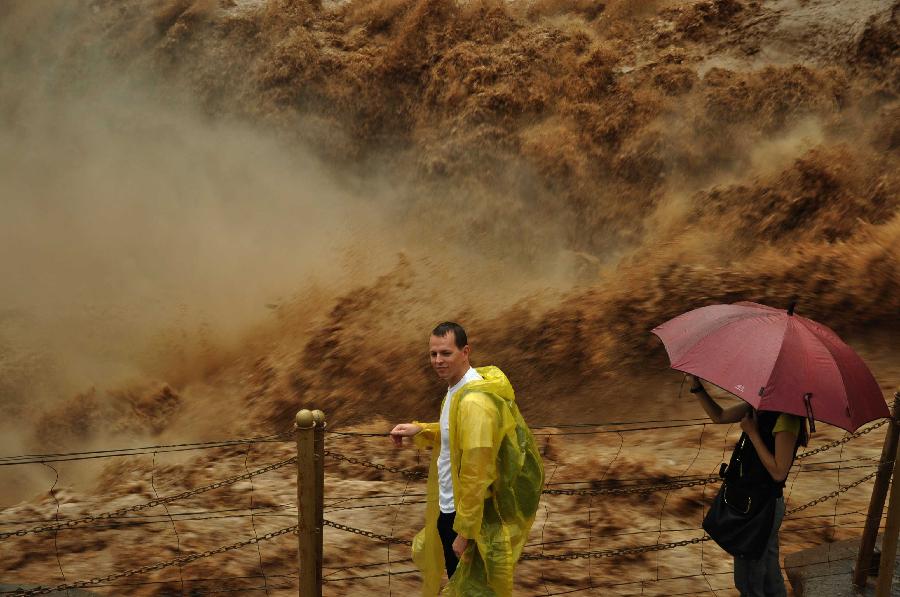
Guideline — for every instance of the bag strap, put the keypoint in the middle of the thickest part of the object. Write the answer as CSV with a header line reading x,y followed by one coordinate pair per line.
x,y
733,470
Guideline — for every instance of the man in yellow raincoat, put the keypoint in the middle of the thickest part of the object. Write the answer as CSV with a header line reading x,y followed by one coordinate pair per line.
x,y
485,478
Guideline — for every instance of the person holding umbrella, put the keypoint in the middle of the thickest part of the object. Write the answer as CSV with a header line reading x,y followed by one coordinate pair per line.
x,y
774,438
786,368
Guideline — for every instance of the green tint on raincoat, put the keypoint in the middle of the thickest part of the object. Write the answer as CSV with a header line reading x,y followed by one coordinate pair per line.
x,y
497,480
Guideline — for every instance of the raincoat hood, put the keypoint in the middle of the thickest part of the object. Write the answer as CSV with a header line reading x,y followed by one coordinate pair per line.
x,y
493,381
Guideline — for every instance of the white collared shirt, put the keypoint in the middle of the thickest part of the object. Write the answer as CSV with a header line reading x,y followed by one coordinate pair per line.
x,y
445,480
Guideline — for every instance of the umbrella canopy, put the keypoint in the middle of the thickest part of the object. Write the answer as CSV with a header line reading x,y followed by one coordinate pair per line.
x,y
775,360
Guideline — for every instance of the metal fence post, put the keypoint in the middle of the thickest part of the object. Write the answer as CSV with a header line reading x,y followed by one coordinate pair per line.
x,y
319,456
310,482
889,543
876,503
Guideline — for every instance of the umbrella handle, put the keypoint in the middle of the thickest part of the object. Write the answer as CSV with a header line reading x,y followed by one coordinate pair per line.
x,y
807,400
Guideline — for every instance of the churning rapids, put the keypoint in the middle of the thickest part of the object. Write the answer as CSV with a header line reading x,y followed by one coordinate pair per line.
x,y
216,212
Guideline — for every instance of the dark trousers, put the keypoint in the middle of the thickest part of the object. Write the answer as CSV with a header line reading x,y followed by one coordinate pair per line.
x,y
762,577
448,536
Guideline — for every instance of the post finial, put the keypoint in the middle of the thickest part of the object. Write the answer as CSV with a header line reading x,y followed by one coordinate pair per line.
x,y
304,419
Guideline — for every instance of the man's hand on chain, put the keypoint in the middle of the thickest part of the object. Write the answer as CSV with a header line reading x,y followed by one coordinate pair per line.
x,y
404,430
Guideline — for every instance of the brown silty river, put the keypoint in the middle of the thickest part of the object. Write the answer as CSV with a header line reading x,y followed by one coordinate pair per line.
x,y
217,212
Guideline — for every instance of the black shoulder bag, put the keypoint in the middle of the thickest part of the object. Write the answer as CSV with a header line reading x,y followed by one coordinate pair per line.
x,y
741,517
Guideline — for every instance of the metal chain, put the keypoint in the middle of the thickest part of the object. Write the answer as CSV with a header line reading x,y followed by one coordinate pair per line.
x,y
561,557
843,440
368,576
569,556
556,557
630,490
662,546
617,490
163,448
342,508
412,475
155,502
153,567
833,494
678,484
365,533
706,481
608,553
381,467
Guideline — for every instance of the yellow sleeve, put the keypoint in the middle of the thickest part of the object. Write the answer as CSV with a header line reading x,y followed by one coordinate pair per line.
x,y
430,434
786,422
478,425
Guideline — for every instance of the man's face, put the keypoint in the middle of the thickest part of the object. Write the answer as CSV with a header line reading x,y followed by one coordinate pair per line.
x,y
449,362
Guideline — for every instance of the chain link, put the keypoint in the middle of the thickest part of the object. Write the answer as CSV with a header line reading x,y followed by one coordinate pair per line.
x,y
153,567
568,556
608,553
344,508
843,440
833,494
368,576
155,502
561,557
632,490
365,533
381,467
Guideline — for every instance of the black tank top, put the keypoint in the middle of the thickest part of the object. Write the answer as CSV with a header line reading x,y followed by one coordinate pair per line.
x,y
745,466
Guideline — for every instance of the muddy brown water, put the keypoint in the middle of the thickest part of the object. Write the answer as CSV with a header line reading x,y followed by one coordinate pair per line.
x,y
215,213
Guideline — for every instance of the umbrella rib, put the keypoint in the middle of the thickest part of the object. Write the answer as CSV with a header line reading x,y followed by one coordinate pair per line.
x,y
808,333
738,317
723,327
837,366
715,330
787,325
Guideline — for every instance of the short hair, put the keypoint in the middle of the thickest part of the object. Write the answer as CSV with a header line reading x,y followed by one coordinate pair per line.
x,y
442,329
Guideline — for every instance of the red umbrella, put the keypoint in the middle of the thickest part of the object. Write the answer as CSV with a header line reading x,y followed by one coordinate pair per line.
x,y
775,360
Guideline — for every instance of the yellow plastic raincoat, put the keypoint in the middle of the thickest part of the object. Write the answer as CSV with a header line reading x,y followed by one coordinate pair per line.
x,y
497,480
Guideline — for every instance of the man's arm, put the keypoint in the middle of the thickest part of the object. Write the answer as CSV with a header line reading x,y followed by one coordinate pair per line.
x,y
478,423
429,437
423,434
